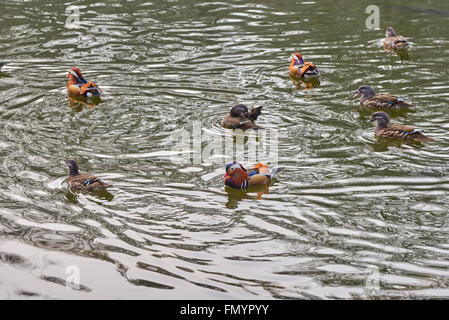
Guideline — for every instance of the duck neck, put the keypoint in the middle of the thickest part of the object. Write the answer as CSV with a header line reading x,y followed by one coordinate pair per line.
x,y
73,80
364,98
293,63
73,171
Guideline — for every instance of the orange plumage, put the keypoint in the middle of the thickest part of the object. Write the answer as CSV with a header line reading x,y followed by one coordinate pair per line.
x,y
301,69
78,86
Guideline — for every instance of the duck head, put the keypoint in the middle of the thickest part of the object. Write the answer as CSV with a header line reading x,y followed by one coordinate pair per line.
x,y
239,110
365,91
234,168
297,58
381,118
236,175
390,32
73,167
75,76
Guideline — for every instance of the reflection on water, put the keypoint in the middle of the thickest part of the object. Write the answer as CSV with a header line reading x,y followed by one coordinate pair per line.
x,y
306,84
100,194
79,103
402,53
236,195
347,203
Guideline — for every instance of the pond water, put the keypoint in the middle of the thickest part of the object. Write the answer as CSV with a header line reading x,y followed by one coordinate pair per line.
x,y
350,216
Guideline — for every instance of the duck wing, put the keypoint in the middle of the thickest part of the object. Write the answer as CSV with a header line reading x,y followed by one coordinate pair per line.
x,y
395,42
400,131
311,70
86,182
230,122
243,123
266,170
399,42
386,101
85,89
90,89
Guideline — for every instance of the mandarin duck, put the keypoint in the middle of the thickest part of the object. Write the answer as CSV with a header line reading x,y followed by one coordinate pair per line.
x,y
393,41
370,99
2,63
301,69
238,177
240,118
78,86
396,131
84,181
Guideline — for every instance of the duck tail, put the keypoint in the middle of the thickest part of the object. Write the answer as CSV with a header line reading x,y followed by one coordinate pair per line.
x,y
418,136
403,104
401,43
255,113
275,170
102,186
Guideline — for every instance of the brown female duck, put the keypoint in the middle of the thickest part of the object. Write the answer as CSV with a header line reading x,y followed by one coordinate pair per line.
x,y
240,118
370,99
393,41
396,131
84,181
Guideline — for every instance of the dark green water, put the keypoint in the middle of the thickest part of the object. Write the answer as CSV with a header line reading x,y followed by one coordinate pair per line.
x,y
346,208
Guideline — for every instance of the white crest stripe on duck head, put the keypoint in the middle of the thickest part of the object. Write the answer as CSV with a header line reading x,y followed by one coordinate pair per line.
x,y
295,57
76,75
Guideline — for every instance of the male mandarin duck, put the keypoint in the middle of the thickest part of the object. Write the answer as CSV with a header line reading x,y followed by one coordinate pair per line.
x,y
2,63
302,69
370,99
396,131
240,118
85,181
238,177
78,86
393,41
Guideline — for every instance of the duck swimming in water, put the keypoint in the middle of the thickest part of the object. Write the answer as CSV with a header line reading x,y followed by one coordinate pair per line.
x,y
396,131
384,101
300,69
240,118
393,41
78,86
238,177
83,181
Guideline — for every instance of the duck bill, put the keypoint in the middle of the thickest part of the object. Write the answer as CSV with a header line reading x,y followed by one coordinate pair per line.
x,y
357,93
